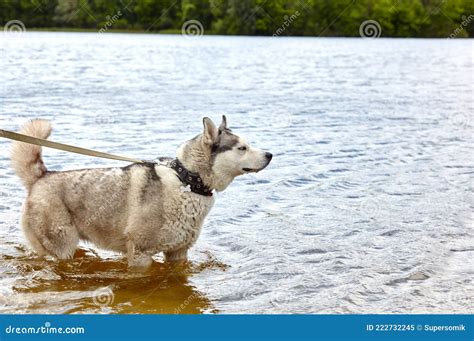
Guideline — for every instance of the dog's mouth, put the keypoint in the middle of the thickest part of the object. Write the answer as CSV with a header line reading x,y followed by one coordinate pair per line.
x,y
256,170
250,170
253,170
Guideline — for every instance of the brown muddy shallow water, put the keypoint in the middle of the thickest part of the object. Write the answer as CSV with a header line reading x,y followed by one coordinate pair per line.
x,y
90,284
366,206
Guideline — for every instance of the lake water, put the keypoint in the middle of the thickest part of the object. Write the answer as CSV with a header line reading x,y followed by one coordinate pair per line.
x,y
367,204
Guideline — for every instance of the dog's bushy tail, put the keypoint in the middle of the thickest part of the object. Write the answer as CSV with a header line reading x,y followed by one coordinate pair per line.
x,y
26,158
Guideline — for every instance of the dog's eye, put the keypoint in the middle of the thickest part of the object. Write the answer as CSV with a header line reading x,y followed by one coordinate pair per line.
x,y
242,148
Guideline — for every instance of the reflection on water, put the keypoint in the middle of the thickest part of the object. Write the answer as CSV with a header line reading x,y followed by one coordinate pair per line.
x,y
89,284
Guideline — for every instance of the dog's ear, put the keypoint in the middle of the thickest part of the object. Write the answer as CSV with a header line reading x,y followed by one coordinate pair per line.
x,y
210,131
223,125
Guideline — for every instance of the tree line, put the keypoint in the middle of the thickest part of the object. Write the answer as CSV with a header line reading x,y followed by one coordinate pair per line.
x,y
395,18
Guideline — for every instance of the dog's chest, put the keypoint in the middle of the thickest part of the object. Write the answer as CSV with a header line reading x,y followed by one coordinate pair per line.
x,y
185,217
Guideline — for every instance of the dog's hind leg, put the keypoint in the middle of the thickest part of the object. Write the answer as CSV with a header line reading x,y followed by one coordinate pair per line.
x,y
28,229
49,228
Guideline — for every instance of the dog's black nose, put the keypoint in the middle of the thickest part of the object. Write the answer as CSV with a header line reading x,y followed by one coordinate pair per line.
x,y
268,156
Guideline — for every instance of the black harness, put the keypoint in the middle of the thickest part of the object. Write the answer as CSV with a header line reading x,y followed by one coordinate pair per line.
x,y
190,180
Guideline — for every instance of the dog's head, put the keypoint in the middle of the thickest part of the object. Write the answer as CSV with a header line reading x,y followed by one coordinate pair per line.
x,y
219,155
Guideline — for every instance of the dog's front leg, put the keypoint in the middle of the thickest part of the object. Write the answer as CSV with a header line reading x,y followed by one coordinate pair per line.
x,y
179,255
137,259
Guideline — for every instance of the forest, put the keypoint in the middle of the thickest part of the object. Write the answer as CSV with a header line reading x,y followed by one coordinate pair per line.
x,y
324,18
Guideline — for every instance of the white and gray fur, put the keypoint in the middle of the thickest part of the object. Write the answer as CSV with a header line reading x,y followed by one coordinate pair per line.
x,y
139,210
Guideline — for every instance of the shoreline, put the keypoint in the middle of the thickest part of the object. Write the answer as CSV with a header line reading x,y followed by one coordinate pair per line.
x,y
94,30
178,32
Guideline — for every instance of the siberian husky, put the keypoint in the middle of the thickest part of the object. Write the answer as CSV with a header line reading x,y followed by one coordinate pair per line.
x,y
139,210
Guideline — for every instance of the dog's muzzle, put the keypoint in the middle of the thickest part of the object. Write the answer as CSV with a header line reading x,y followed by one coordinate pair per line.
x,y
268,157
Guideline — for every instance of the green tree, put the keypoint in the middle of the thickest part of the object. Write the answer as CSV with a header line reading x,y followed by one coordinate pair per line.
x,y
153,15
197,10
397,18
74,13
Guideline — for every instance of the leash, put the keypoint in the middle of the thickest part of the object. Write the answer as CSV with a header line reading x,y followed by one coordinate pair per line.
x,y
61,146
192,182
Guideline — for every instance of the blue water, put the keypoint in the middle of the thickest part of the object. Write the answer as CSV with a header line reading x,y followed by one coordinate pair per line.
x,y
367,204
